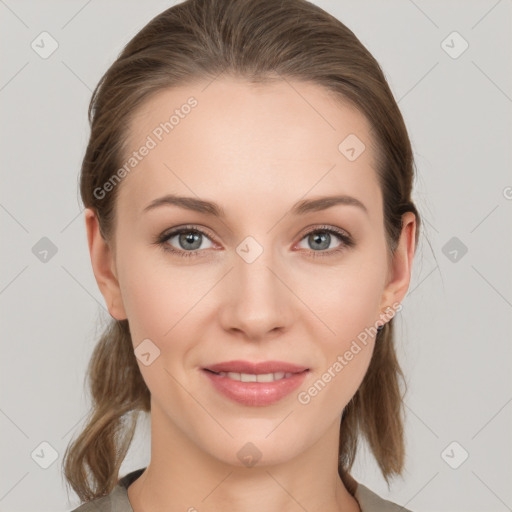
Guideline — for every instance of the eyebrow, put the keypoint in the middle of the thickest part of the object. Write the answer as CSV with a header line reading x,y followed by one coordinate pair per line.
x,y
210,208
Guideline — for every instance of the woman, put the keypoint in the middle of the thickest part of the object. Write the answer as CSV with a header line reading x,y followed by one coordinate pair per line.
x,y
247,186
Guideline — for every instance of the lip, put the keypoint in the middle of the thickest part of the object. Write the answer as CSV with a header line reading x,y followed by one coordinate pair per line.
x,y
255,394
239,366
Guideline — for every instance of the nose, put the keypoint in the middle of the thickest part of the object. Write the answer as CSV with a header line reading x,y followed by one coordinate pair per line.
x,y
257,300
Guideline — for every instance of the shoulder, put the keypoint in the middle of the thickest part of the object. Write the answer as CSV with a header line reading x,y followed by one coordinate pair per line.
x,y
371,502
103,504
116,501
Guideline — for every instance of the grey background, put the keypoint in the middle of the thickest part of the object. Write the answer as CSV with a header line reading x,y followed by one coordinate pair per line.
x,y
454,330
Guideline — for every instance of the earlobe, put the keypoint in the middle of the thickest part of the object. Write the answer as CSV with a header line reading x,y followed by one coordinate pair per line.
x,y
401,264
103,265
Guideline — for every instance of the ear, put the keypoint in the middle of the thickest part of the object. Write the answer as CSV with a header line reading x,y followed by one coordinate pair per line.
x,y
103,265
401,264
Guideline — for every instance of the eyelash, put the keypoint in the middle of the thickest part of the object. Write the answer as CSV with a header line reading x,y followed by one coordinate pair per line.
x,y
346,240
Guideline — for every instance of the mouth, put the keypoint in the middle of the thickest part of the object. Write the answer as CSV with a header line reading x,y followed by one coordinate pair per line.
x,y
255,384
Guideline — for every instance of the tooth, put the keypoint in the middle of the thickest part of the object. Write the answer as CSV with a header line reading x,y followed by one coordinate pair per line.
x,y
250,377
266,377
247,377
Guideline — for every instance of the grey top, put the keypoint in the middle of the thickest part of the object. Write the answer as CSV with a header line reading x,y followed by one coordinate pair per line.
x,y
117,500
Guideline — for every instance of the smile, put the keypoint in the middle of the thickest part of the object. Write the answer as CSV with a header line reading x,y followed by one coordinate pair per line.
x,y
255,389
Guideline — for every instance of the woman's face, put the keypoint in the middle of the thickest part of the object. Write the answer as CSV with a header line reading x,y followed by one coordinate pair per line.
x,y
264,281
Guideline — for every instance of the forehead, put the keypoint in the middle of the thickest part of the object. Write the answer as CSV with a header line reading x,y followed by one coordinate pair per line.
x,y
267,143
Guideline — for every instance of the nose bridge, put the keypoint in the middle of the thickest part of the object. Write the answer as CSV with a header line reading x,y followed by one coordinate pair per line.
x,y
257,299
253,271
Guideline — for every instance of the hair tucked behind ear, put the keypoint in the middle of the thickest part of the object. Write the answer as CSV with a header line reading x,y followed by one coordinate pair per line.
x,y
117,392
258,40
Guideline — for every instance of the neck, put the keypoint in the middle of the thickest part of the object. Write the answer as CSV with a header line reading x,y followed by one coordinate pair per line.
x,y
181,476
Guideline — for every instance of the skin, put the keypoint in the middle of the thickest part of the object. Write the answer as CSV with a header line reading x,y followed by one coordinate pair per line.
x,y
254,150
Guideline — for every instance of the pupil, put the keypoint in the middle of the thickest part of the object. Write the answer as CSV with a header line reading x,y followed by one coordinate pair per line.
x,y
319,237
189,238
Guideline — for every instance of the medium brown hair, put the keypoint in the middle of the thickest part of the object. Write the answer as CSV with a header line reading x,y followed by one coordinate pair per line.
x,y
257,40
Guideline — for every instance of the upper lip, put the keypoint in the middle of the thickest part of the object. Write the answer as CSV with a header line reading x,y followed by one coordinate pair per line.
x,y
256,368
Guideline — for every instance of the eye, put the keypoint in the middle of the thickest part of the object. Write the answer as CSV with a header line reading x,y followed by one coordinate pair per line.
x,y
320,238
186,241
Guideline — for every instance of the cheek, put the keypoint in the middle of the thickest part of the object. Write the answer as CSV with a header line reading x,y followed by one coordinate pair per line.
x,y
157,301
349,308
348,301
153,298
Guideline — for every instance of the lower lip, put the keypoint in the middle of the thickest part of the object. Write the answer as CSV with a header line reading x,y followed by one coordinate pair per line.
x,y
256,393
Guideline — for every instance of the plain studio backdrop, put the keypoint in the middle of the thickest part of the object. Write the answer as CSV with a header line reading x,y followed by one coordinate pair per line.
x,y
448,65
